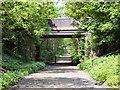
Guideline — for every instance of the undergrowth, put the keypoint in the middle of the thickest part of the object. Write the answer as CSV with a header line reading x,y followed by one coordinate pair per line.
x,y
17,69
104,70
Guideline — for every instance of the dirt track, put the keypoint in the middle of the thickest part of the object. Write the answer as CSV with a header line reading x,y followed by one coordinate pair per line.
x,y
58,76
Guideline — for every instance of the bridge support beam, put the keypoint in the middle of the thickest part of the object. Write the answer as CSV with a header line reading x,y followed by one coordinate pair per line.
x,y
59,36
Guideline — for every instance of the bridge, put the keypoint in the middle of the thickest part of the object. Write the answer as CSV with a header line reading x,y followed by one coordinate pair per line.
x,y
62,28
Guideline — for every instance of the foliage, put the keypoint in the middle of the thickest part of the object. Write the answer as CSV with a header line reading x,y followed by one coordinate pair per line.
x,y
18,68
99,18
11,77
50,48
104,69
12,63
76,48
23,23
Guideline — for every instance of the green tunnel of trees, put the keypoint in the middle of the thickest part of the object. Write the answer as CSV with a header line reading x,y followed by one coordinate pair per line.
x,y
23,23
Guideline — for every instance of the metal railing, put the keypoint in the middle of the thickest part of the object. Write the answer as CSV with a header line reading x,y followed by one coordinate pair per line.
x,y
105,55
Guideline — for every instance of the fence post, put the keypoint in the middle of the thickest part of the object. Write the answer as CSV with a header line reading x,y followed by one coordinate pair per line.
x,y
55,59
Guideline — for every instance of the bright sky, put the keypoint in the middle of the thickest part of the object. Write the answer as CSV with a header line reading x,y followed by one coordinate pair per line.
x,y
60,3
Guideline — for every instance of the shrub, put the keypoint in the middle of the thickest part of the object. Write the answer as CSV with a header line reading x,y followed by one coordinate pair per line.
x,y
11,78
112,80
18,69
104,69
86,64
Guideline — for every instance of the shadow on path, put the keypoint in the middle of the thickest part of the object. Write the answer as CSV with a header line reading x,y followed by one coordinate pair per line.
x,y
60,75
56,76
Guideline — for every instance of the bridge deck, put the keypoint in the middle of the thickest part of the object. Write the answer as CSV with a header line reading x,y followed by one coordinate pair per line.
x,y
62,28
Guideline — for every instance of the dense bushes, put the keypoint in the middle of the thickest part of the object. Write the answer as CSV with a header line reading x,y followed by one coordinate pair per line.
x,y
75,59
104,70
11,63
18,69
11,77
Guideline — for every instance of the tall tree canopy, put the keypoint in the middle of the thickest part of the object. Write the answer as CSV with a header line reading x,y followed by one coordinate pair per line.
x,y
102,19
23,23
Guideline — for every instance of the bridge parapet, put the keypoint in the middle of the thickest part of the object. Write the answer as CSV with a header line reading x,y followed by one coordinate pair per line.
x,y
62,28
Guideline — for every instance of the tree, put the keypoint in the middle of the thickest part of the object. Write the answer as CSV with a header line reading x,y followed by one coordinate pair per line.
x,y
23,24
99,18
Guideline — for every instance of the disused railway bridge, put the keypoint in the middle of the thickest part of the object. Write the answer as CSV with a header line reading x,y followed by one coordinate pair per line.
x,y
62,28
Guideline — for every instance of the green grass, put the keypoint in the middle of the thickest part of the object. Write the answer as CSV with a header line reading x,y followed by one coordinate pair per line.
x,y
104,70
17,70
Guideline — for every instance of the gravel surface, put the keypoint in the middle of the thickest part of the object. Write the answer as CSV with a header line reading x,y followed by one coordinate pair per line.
x,y
58,76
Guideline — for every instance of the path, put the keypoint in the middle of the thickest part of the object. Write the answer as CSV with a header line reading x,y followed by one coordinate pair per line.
x,y
58,76
64,59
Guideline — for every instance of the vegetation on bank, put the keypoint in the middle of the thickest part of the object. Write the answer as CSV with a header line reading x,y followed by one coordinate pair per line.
x,y
24,23
17,69
102,20
101,23
104,70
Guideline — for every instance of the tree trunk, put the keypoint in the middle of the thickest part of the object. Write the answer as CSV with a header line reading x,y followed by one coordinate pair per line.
x,y
37,57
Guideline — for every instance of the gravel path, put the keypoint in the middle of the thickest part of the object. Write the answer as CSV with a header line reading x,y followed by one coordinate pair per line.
x,y
58,76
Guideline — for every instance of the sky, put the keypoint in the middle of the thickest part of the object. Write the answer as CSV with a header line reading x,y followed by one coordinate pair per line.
x,y
60,3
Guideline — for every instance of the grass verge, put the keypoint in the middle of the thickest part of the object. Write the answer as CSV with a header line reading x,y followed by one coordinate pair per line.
x,y
104,70
17,70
